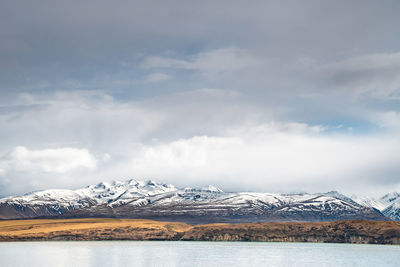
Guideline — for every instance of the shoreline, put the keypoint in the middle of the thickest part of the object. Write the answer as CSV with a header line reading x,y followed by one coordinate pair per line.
x,y
103,229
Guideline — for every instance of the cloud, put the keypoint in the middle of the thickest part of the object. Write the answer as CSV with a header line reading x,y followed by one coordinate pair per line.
x,y
386,120
209,63
58,160
20,108
79,119
377,75
225,95
157,77
106,157
213,39
275,158
193,152
199,137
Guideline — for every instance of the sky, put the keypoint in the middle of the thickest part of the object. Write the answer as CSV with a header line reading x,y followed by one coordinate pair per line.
x,y
268,96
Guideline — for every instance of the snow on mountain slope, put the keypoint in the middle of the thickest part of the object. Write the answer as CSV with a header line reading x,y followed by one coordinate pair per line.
x,y
371,202
393,211
150,199
101,193
389,204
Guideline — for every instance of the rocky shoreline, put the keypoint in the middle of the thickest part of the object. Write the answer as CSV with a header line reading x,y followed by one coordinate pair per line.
x,y
354,231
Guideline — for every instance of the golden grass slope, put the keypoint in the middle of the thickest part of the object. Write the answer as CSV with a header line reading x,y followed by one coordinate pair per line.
x,y
356,231
89,229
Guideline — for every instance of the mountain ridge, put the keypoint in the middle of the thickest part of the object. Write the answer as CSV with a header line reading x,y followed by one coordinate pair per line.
x,y
149,199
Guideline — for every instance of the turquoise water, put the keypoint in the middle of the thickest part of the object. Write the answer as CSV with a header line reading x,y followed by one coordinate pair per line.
x,y
168,253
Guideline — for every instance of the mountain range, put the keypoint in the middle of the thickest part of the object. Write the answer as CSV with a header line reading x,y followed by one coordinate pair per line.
x,y
152,200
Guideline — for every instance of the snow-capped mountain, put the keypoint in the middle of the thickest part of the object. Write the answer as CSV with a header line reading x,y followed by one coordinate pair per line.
x,y
139,199
389,204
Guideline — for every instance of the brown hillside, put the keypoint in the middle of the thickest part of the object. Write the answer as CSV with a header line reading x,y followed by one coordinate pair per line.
x,y
134,229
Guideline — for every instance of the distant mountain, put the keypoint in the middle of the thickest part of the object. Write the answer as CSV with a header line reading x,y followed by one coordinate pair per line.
x,y
152,200
389,204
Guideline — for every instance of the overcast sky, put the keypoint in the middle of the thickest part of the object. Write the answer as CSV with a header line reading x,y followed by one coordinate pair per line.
x,y
272,96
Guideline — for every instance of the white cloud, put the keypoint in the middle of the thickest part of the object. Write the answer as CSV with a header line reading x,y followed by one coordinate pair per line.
x,y
106,157
387,120
59,160
193,152
207,136
275,158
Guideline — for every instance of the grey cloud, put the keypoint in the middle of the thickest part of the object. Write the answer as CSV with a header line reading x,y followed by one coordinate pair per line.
x,y
375,74
157,77
216,61
49,41
12,109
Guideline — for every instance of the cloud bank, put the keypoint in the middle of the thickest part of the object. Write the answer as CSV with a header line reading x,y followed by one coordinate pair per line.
x,y
236,150
58,160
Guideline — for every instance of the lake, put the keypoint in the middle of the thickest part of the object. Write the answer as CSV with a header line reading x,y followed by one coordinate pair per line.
x,y
169,253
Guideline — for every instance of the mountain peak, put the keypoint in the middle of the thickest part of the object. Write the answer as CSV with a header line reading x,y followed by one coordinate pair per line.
x,y
340,196
211,188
